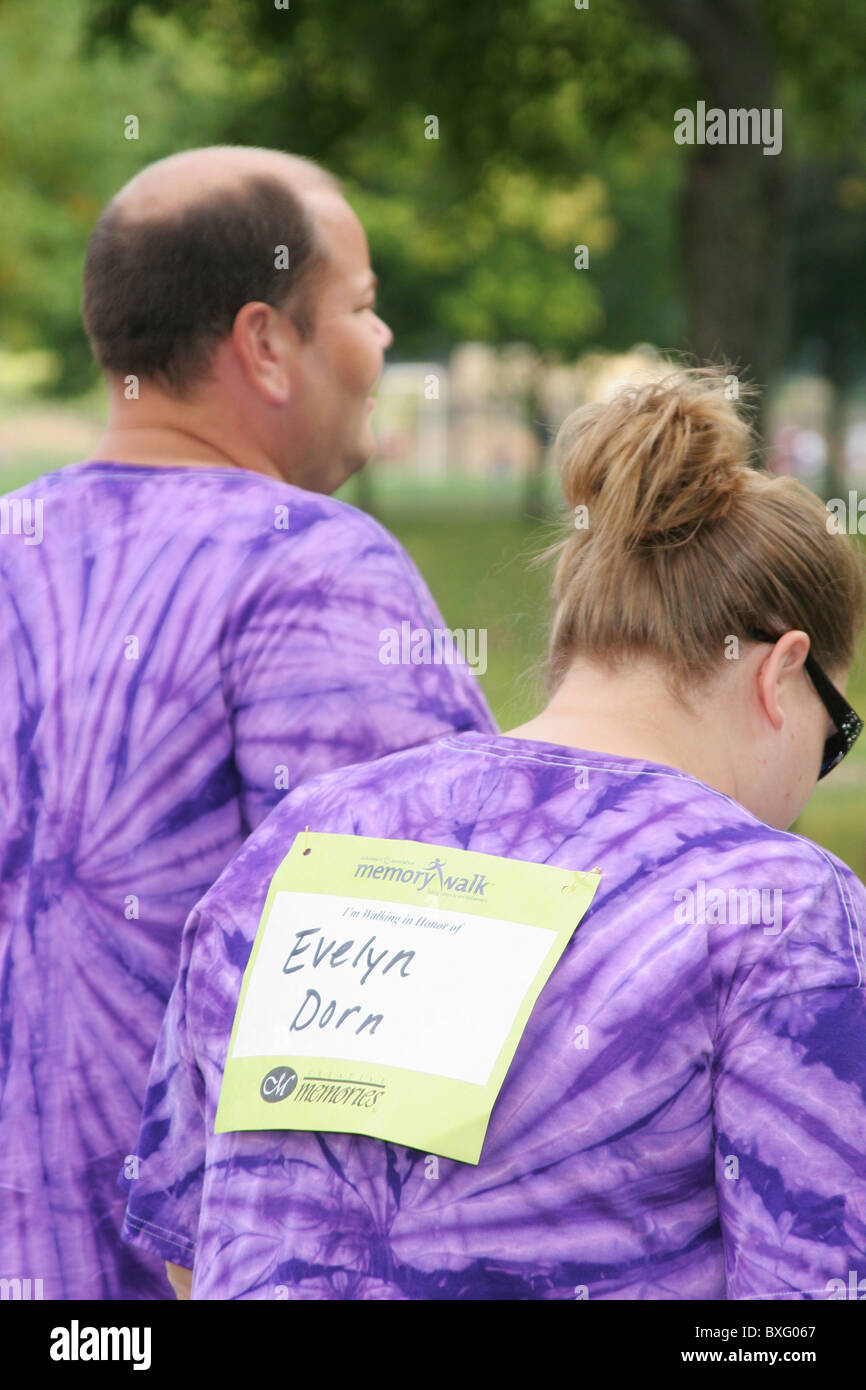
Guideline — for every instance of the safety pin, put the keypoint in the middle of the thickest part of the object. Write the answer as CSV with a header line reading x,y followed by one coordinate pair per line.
x,y
572,887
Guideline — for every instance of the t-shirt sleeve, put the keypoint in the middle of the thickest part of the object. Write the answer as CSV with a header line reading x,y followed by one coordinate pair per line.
x,y
790,1103
319,666
165,1174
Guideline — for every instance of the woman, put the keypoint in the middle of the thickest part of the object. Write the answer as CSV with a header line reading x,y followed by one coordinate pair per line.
x,y
685,1114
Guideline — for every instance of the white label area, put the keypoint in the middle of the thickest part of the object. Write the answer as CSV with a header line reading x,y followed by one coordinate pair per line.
x,y
422,988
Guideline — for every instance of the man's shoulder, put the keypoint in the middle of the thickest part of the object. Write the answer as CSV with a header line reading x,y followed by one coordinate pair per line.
x,y
275,521
226,506
316,508
269,513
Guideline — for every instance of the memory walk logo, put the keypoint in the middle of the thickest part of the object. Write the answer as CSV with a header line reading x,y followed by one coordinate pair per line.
x,y
431,878
76,1343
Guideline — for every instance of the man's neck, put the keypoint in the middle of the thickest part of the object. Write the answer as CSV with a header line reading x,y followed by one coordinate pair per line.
x,y
159,446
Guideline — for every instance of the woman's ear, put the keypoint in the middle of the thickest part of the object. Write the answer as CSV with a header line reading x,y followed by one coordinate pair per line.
x,y
777,666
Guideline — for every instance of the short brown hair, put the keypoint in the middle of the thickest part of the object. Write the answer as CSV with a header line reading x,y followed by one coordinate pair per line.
x,y
161,293
687,543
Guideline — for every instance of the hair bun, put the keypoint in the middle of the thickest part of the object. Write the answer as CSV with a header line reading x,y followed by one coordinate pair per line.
x,y
656,462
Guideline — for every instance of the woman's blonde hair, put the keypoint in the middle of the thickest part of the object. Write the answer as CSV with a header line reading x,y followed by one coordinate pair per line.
x,y
679,543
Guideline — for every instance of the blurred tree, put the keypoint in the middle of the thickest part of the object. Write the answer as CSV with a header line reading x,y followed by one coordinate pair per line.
x,y
480,145
554,95
830,290
737,213
733,216
553,128
64,153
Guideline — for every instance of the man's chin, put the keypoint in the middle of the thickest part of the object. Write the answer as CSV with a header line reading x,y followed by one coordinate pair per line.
x,y
341,474
328,475
361,456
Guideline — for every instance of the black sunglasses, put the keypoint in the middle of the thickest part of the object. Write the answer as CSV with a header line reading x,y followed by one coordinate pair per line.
x,y
849,725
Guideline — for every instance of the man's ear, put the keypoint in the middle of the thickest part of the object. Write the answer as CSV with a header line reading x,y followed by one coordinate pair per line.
x,y
267,344
779,665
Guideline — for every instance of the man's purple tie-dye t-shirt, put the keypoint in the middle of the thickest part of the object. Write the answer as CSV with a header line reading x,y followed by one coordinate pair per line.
x,y
685,1115
177,647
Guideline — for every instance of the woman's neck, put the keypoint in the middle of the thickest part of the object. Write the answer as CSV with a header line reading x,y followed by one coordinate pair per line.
x,y
631,713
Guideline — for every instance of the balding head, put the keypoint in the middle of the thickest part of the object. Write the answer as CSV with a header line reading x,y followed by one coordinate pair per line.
x,y
186,243
167,187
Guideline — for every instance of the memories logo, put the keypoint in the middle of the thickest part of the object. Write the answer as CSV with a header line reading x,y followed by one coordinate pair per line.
x,y
433,877
278,1084
282,1082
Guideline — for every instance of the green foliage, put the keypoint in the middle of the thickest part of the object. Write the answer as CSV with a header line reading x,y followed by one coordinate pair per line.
x,y
472,234
821,53
555,129
64,154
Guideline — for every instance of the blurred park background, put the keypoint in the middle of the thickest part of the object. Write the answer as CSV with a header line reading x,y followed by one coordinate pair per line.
x,y
482,145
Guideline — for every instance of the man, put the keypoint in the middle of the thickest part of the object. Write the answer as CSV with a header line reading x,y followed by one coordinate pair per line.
x,y
192,629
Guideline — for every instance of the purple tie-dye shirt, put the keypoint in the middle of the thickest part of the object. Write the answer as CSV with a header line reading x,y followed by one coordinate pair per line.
x,y
685,1115
177,647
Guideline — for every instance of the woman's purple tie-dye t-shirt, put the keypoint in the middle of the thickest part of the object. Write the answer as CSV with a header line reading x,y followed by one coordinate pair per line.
x,y
685,1115
177,648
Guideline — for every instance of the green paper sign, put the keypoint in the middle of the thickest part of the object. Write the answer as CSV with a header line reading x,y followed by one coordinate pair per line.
x,y
388,988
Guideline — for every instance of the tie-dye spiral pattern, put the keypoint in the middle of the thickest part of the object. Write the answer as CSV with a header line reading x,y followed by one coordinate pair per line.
x,y
177,647
685,1116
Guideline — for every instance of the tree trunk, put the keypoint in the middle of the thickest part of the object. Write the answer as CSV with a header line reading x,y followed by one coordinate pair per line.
x,y
839,372
534,505
734,210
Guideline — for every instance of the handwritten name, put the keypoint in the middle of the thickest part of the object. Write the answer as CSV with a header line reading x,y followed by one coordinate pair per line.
x,y
328,951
